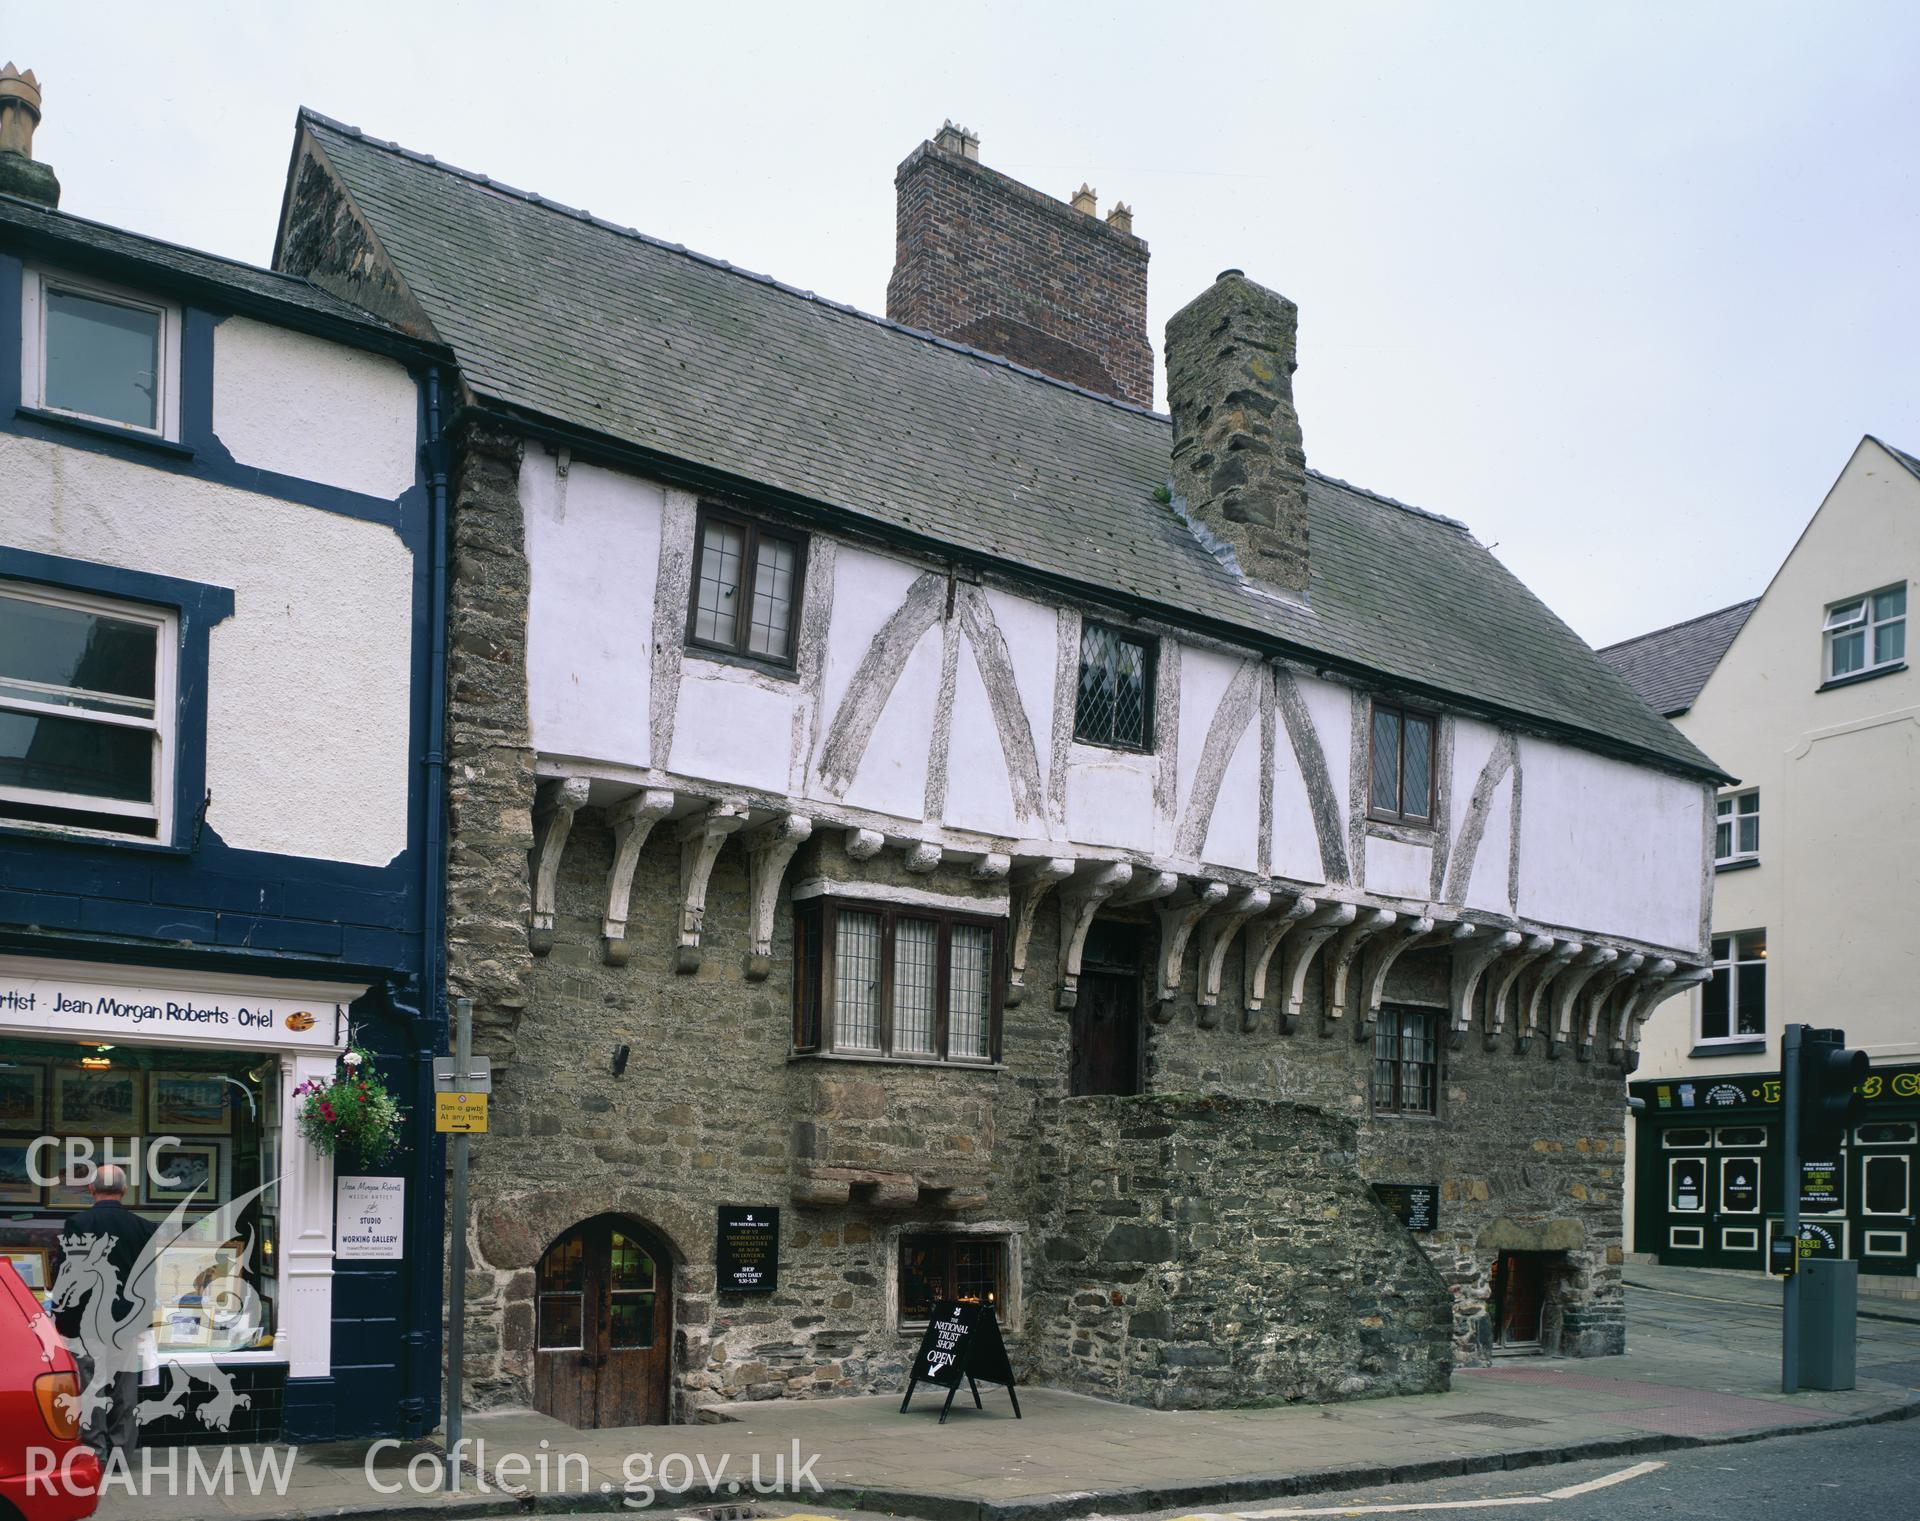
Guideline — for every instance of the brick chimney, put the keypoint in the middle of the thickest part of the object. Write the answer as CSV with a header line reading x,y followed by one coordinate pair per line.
x,y
19,115
997,265
1238,460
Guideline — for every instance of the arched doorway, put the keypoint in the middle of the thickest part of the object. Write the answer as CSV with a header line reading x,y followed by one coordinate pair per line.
x,y
603,1326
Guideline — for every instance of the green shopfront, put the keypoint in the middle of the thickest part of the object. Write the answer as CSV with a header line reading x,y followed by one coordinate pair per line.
x,y
1709,1188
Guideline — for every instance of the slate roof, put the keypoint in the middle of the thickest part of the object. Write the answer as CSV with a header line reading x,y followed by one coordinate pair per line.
x,y
75,242
1669,666
1912,464
560,315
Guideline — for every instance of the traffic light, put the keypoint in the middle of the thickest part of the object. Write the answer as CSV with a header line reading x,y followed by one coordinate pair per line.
x,y
1829,1106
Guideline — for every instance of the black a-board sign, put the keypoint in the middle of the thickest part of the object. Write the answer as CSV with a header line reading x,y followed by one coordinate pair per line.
x,y
1414,1205
748,1256
962,1342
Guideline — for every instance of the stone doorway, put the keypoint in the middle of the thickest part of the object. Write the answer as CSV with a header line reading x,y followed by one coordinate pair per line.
x,y
1106,1054
1520,1292
603,1326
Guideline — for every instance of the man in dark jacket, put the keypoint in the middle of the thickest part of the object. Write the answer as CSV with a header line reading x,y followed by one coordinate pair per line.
x,y
126,1235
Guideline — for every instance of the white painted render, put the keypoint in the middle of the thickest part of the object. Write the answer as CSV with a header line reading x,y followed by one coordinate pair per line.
x,y
307,744
304,407
1837,888
1608,848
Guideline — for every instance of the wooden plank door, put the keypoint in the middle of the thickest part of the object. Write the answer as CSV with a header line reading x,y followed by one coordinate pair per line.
x,y
604,1327
1106,1035
564,1385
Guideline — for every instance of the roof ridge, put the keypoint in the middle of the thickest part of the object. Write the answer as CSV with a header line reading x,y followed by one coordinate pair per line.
x,y
534,198
186,248
1654,633
1390,501
1910,461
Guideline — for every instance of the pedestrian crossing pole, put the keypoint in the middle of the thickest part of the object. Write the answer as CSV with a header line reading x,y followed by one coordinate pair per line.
x,y
1790,1077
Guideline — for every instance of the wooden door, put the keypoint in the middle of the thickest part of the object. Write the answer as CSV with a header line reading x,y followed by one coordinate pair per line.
x,y
1106,1035
603,1332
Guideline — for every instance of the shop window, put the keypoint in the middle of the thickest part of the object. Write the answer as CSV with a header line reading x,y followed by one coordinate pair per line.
x,y
746,588
87,720
1733,1006
1400,766
1866,633
1736,831
884,980
100,354
935,1269
199,1129
1406,1062
1114,706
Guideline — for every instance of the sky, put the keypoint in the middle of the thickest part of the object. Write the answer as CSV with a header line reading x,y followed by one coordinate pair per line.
x,y
1620,286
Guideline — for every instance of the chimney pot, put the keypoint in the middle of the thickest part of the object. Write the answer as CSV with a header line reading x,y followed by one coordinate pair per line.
x,y
1120,219
1238,457
957,140
19,115
1085,200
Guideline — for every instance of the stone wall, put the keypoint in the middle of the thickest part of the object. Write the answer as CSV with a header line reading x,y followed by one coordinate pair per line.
x,y
1204,1251
999,266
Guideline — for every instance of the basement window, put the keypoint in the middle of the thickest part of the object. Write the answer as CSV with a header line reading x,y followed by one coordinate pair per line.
x,y
888,981
939,1269
1114,706
747,581
100,354
86,712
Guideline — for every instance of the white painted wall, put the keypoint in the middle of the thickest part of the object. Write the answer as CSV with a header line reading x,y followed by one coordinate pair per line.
x,y
1608,848
305,407
309,690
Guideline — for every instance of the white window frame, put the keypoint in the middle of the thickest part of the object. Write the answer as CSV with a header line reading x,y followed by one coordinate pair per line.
x,y
1855,615
1731,966
33,349
1731,816
164,723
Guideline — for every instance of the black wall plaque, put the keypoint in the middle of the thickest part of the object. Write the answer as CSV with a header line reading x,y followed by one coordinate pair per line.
x,y
1414,1205
962,1342
749,1249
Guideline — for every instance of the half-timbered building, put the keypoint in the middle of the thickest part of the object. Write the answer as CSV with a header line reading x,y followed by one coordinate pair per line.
x,y
1059,854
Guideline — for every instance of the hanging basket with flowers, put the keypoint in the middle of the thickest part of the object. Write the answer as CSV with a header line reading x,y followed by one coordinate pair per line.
x,y
353,1118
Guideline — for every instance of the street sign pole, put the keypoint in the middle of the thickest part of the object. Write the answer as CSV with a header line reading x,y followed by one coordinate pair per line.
x,y
1790,1182
457,1266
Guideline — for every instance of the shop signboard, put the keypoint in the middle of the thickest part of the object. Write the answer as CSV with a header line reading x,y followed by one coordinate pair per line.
x,y
1414,1205
369,1216
153,1005
749,1248
962,1341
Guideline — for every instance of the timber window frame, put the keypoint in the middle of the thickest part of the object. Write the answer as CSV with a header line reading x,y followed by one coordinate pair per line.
x,y
1736,828
1388,801
1406,1061
883,981
973,1267
1863,634
1733,1004
96,721
48,297
1113,688
730,612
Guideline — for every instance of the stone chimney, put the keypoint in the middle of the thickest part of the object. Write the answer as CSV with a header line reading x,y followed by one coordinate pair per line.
x,y
19,115
997,265
1238,459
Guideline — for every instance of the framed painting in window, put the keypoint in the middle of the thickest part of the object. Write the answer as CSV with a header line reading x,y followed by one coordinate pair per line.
x,y
96,1101
188,1103
23,1097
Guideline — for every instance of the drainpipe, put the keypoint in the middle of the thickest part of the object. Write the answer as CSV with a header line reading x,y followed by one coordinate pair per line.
x,y
423,1365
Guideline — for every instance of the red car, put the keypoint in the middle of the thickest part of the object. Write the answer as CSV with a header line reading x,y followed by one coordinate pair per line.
x,y
45,1474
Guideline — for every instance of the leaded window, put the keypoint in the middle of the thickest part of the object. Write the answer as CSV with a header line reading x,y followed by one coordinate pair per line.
x,y
1115,702
896,981
746,588
1400,765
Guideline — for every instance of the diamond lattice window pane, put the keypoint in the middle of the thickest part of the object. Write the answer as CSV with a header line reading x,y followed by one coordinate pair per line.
x,y
1112,707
